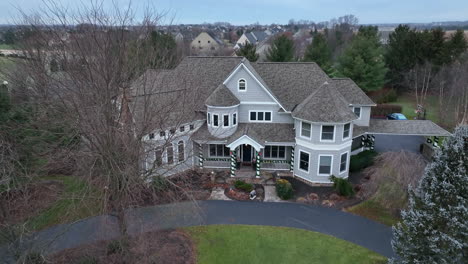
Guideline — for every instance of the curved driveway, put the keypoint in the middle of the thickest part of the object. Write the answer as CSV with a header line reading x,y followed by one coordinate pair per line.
x,y
355,229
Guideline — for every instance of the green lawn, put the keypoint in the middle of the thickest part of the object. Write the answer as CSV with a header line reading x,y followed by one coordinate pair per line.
x,y
77,201
6,46
408,102
372,209
266,244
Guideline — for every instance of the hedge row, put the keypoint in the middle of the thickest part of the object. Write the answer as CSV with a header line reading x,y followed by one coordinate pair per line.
x,y
385,109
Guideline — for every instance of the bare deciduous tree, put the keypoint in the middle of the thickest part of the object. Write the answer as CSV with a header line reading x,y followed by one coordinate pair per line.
x,y
100,53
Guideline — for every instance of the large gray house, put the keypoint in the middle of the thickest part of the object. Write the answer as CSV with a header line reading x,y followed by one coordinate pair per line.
x,y
240,116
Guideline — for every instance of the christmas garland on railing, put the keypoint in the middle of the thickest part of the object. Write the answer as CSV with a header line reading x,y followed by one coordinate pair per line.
x,y
217,159
276,161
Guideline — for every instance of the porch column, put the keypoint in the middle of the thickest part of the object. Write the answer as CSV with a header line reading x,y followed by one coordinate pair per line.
x,y
233,163
257,164
200,156
291,166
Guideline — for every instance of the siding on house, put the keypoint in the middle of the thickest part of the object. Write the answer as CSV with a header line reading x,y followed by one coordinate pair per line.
x,y
254,92
312,174
365,115
316,133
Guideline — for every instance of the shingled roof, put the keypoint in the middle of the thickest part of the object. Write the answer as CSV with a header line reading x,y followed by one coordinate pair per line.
x,y
260,132
351,92
222,96
291,82
325,104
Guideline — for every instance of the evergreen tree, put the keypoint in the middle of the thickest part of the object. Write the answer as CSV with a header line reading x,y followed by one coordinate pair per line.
x,y
166,50
402,52
435,226
248,51
281,50
318,51
363,61
457,45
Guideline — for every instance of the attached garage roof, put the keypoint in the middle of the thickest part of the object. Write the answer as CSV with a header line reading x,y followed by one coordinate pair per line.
x,y
401,127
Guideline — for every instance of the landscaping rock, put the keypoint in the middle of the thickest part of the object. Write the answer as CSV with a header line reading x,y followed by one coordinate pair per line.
x,y
220,180
328,203
312,197
301,200
334,197
259,191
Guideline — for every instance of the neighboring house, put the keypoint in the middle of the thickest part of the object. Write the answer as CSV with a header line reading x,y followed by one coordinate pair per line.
x,y
178,37
287,117
205,43
254,37
259,39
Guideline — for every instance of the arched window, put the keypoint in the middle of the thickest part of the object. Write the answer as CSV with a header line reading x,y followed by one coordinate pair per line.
x,y
242,85
181,151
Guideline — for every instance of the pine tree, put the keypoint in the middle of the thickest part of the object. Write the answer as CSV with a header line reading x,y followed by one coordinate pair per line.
x,y
248,51
402,53
281,50
457,45
435,225
318,51
363,60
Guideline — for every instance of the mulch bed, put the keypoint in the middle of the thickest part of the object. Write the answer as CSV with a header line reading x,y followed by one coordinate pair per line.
x,y
240,195
34,198
189,185
162,247
327,196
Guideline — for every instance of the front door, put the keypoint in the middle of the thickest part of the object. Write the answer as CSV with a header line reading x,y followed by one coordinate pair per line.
x,y
246,153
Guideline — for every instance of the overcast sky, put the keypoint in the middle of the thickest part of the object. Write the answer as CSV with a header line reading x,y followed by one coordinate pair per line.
x,y
278,11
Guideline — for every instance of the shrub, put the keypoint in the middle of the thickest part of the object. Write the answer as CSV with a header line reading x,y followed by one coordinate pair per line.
x,y
342,186
362,160
117,246
284,189
33,258
242,185
388,97
87,260
159,183
385,109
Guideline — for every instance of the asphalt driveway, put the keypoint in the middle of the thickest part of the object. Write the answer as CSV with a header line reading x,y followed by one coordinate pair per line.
x,y
384,143
352,228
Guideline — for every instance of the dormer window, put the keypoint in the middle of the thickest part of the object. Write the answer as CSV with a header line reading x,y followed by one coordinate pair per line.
x,y
357,112
242,85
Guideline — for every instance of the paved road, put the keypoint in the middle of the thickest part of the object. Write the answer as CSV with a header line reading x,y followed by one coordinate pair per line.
x,y
385,143
329,221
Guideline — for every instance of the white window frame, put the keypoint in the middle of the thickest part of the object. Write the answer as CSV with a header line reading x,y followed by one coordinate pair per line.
x,y
276,158
347,162
299,161
217,116
318,165
208,118
238,85
349,134
256,116
167,153
300,132
215,156
327,140
229,121
234,118
360,111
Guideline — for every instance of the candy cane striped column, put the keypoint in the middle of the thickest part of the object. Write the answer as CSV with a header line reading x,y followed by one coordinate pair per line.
x,y
257,165
200,156
233,163
291,167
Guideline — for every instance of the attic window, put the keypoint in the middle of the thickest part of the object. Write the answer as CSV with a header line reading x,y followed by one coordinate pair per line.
x,y
242,85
